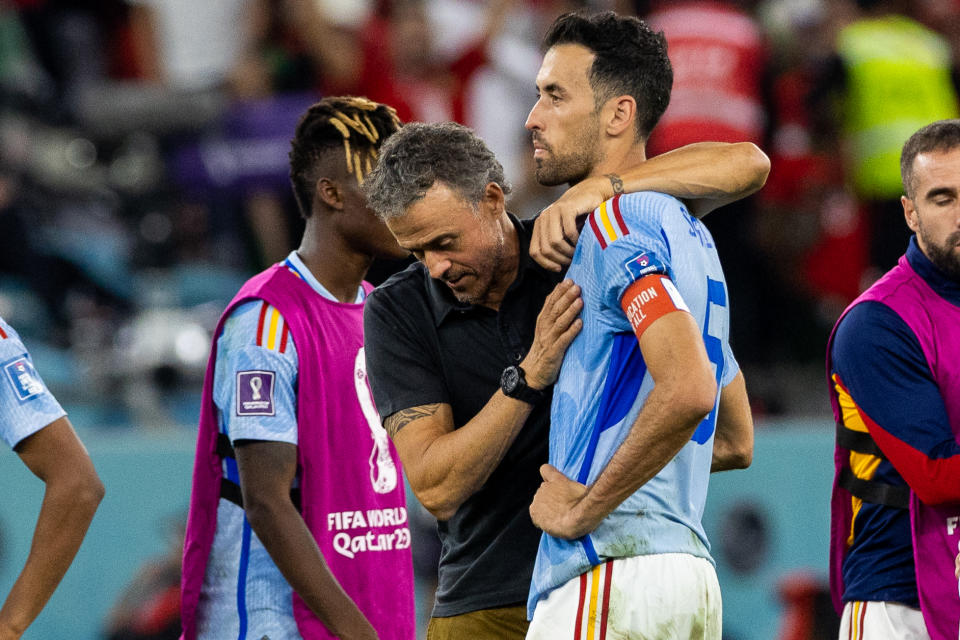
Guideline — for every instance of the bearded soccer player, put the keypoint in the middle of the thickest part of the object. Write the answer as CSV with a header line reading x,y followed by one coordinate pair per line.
x,y
649,399
894,367
298,521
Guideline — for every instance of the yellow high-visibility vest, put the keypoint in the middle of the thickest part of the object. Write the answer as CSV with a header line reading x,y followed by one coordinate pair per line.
x,y
898,80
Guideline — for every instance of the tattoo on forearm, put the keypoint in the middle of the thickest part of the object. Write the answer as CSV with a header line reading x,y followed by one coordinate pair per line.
x,y
400,419
616,182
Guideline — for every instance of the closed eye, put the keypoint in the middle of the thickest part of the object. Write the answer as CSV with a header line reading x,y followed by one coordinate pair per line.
x,y
941,197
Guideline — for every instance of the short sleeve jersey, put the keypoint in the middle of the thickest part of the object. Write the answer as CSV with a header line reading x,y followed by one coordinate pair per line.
x,y
26,405
604,382
255,391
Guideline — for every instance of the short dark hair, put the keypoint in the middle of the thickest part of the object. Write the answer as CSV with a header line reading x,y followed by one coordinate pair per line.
x,y
630,59
420,155
350,126
943,135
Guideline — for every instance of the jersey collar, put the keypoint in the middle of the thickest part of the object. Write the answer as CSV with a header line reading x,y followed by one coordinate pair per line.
x,y
295,264
939,281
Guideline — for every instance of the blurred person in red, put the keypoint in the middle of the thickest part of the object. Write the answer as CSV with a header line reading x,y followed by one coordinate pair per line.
x,y
720,57
807,212
391,56
809,228
808,614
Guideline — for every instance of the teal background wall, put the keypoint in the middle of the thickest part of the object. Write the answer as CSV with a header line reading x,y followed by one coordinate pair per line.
x,y
148,482
788,485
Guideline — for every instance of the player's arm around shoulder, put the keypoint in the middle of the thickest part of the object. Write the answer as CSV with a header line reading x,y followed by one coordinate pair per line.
x,y
73,491
705,175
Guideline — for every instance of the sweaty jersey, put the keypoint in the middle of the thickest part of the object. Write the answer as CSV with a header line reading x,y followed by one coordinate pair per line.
x,y
604,383
244,594
26,406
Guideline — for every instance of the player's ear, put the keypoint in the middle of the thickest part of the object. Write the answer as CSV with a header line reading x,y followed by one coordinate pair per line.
x,y
493,200
910,213
330,193
621,115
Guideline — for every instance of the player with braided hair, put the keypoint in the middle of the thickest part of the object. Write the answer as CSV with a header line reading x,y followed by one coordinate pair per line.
x,y
297,517
358,124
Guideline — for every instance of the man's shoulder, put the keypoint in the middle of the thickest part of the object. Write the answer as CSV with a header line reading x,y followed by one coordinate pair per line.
x,y
632,219
644,211
885,301
648,200
869,313
410,281
871,330
405,294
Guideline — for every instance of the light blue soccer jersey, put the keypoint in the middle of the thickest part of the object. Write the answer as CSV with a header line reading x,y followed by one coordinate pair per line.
x,y
604,383
244,595
26,406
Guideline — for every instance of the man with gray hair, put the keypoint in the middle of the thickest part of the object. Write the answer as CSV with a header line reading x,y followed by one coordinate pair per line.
x,y
462,349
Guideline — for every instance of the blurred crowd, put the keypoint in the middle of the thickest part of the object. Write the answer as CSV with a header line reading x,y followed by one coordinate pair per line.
x,y
143,159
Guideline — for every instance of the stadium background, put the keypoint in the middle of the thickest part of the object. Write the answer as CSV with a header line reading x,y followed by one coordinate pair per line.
x,y
143,178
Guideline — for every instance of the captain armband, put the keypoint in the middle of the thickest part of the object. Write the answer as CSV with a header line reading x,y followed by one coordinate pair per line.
x,y
649,299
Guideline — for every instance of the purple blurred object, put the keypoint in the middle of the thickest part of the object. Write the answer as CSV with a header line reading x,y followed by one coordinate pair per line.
x,y
248,153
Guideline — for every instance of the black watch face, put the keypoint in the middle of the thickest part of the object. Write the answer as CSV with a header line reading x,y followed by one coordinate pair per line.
x,y
510,380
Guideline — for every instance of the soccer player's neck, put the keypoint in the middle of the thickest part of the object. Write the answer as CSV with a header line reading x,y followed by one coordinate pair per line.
x,y
618,158
338,267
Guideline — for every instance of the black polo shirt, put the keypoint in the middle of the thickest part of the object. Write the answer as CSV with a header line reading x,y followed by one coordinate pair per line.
x,y
423,347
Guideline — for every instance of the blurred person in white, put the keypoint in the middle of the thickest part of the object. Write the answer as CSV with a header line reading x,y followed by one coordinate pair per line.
x,y
34,425
195,46
438,60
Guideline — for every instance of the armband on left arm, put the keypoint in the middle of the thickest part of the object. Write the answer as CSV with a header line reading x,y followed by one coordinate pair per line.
x,y
649,299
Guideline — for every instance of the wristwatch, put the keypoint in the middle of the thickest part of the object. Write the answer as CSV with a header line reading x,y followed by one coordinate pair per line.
x,y
513,383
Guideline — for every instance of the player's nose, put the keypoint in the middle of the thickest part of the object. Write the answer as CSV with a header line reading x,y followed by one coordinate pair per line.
x,y
436,264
